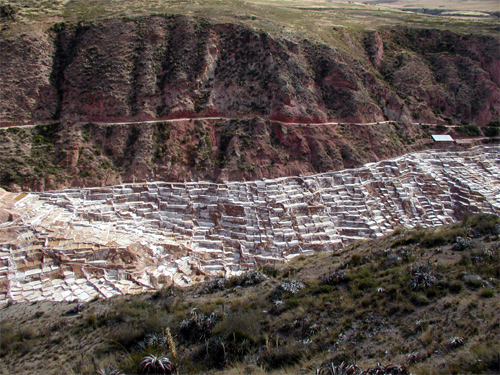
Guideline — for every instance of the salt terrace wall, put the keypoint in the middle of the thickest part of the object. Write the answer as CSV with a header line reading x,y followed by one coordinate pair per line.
x,y
82,243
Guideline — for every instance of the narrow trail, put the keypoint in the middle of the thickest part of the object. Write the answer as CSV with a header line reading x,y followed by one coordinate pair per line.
x,y
224,118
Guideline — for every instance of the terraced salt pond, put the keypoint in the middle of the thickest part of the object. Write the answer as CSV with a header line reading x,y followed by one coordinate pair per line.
x,y
82,243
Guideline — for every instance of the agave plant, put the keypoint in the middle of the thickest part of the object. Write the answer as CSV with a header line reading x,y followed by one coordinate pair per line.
x,y
342,369
461,244
292,286
108,371
386,370
199,325
421,277
152,364
334,278
455,342
412,357
155,339
251,278
214,285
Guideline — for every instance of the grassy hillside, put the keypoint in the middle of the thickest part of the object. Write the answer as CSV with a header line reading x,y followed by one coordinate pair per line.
x,y
424,299
319,19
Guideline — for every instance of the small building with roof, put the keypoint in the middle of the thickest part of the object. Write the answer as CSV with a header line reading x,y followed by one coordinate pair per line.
x,y
441,140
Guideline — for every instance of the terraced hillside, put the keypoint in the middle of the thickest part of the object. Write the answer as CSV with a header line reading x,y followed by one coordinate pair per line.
x,y
78,244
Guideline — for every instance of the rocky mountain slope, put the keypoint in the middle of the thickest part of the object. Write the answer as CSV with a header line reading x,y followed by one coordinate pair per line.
x,y
57,156
265,86
161,67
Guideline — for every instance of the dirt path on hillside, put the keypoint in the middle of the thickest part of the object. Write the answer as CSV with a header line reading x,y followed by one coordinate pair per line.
x,y
224,118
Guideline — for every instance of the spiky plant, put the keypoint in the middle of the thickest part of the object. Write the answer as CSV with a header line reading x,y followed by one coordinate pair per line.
x,y
455,342
108,371
199,325
461,244
156,364
292,286
342,369
155,339
412,357
214,285
421,277
251,278
387,370
334,278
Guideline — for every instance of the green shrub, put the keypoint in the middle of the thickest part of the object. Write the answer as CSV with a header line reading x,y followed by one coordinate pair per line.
x,y
241,325
321,289
357,260
486,293
364,284
15,339
491,131
91,321
419,299
483,223
269,270
127,335
440,128
282,356
455,286
469,131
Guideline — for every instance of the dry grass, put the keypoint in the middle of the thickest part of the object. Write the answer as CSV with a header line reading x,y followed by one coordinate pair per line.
x,y
316,19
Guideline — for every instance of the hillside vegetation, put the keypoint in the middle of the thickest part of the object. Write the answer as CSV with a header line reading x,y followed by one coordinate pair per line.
x,y
425,299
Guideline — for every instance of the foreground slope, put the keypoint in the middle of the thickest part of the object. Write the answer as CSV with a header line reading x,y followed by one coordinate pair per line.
x,y
425,298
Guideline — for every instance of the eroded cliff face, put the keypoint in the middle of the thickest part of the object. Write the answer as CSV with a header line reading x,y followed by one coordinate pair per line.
x,y
58,156
175,67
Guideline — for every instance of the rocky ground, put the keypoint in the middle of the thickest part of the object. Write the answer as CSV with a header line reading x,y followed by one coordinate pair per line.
x,y
58,156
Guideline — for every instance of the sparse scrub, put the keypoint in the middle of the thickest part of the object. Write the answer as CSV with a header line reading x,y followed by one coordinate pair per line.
x,y
282,355
487,293
269,270
469,131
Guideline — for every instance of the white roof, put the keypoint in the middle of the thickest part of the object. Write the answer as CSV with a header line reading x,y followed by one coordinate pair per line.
x,y
442,138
